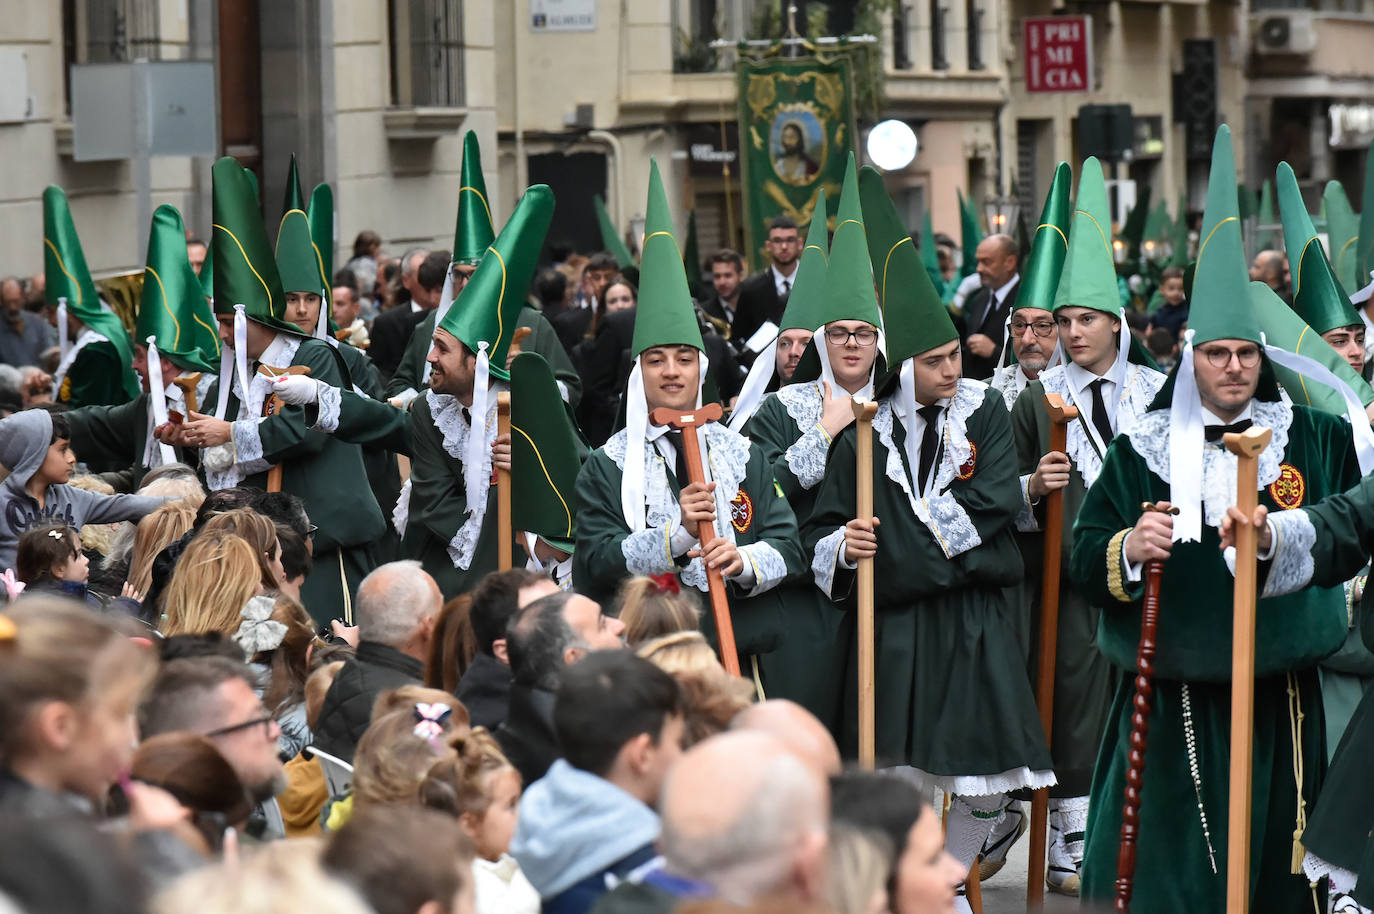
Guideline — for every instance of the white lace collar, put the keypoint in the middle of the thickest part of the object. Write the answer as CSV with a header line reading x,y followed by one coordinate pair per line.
x,y
84,339
454,426
1150,438
1009,381
280,353
957,449
805,401
726,459
1134,396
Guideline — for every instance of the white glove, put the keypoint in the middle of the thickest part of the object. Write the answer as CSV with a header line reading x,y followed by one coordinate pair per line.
x,y
296,389
403,399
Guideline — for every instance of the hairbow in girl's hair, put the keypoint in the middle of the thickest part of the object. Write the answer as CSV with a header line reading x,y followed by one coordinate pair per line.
x,y
431,717
8,630
13,586
666,583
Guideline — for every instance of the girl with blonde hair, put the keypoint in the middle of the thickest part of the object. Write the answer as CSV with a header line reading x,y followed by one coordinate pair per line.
x,y
214,578
653,606
260,533
154,533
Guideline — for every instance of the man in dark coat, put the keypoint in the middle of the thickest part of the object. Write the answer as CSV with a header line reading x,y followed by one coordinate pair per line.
x,y
985,313
484,688
763,295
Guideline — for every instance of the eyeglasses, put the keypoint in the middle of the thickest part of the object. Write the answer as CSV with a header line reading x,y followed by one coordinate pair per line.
x,y
265,722
1039,328
838,336
1220,356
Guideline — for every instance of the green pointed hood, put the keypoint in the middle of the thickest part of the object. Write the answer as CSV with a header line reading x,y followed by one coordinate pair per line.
x,y
848,292
1247,202
64,266
1219,306
1343,236
610,235
298,263
245,268
1133,232
321,216
1088,276
1364,262
805,306
1286,330
914,319
293,198
691,256
1317,296
545,454
207,273
1045,262
475,230
1266,238
487,310
971,233
1157,225
173,309
1179,257
665,315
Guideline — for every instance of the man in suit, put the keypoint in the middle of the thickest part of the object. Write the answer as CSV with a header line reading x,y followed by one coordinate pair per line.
x,y
763,295
985,312
727,268
391,330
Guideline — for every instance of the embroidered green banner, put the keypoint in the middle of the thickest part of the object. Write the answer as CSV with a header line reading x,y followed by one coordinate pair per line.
x,y
796,123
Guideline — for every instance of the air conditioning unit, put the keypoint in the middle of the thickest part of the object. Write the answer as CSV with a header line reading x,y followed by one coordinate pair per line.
x,y
1285,33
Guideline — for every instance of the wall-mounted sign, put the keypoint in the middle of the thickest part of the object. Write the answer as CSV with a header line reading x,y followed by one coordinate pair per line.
x,y
1058,53
563,15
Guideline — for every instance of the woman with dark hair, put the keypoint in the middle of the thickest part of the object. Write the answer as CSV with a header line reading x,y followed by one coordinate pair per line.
x,y
192,770
453,646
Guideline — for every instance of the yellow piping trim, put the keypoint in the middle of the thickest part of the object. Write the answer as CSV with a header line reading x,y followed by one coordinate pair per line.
x,y
214,331
1096,225
176,342
1051,225
500,323
1302,380
63,267
888,260
847,222
1341,252
485,206
545,469
1203,246
246,260
1297,275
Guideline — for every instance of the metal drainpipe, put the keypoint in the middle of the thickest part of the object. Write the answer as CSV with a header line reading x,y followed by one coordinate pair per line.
x,y
617,157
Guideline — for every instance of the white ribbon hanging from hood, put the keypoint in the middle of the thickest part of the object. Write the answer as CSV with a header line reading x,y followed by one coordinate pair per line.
x,y
1355,412
157,399
64,342
761,374
1187,437
322,324
1123,355
636,439
235,357
445,302
475,482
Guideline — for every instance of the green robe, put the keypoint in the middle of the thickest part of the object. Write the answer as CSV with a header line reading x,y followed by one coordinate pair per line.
x,y
953,698
95,377
114,439
1293,633
543,339
749,506
383,472
1083,677
325,473
809,665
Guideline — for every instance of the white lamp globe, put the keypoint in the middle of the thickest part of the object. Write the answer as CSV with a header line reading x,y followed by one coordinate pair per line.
x,y
892,145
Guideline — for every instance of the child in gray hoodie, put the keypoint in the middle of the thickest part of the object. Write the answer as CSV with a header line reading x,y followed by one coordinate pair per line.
x,y
34,448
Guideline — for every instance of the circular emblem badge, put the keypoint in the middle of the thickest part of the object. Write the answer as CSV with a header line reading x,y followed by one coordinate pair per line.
x,y
742,512
966,471
1288,490
64,393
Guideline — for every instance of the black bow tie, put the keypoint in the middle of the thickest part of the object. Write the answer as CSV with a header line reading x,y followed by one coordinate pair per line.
x,y
1214,432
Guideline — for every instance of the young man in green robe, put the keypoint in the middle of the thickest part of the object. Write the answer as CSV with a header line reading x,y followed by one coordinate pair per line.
x,y
638,515
97,358
176,339
953,697
1173,454
795,426
471,239
1100,374
241,444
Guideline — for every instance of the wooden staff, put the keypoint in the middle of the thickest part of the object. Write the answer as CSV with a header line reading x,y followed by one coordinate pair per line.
x,y
864,411
503,515
1060,415
1247,446
687,422
187,383
271,408
1140,728
516,339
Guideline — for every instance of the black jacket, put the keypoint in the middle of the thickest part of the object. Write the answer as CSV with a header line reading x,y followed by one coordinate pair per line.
x,y
992,325
758,302
485,691
526,735
390,336
347,708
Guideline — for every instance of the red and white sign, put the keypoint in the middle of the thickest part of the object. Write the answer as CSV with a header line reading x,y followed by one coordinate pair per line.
x,y
1058,51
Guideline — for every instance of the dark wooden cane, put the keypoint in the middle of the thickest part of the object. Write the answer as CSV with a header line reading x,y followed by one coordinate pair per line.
x,y
1140,728
187,383
688,421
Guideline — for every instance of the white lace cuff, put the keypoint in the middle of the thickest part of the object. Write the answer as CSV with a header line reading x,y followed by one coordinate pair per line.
x,y
647,552
329,404
806,457
681,540
1292,564
764,568
1025,518
248,446
400,515
1342,880
953,528
829,554
402,399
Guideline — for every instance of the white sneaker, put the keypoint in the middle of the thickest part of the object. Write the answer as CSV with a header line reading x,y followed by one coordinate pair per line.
x,y
1004,834
1062,867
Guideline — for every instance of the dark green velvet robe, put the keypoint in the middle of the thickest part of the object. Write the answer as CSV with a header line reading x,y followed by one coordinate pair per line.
x,y
383,472
1293,633
953,696
95,378
764,528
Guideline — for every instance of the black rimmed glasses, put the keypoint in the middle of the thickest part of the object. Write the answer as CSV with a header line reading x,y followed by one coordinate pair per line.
x,y
1041,328
1220,356
838,336
265,722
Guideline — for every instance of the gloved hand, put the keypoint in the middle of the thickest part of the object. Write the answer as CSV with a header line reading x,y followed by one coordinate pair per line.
x,y
297,389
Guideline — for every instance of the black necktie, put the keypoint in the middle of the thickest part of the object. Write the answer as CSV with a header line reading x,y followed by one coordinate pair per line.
x,y
674,437
1100,420
1214,432
930,442
786,291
